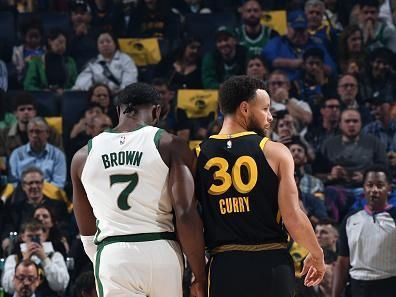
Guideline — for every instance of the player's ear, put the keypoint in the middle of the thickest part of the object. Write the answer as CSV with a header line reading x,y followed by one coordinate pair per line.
x,y
244,107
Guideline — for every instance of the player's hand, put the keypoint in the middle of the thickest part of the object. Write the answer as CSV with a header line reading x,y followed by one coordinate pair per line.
x,y
198,289
314,268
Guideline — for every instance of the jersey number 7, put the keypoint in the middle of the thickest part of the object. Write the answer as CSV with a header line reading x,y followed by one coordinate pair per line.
x,y
122,200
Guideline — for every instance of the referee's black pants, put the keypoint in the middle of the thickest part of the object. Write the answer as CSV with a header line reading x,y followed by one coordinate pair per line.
x,y
375,288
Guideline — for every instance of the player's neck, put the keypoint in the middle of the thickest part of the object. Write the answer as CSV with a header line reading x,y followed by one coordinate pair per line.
x,y
231,126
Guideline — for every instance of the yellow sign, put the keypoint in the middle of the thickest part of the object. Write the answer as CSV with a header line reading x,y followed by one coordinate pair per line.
x,y
144,51
197,103
276,20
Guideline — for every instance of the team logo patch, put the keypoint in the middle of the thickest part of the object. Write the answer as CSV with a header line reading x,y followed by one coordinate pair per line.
x,y
122,140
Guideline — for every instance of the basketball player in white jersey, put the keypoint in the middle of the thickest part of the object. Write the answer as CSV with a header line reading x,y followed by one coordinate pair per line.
x,y
127,183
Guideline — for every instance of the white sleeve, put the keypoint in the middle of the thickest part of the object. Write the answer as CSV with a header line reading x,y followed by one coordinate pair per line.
x,y
56,272
89,246
8,274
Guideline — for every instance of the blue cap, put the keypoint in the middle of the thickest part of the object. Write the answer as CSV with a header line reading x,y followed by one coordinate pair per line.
x,y
296,19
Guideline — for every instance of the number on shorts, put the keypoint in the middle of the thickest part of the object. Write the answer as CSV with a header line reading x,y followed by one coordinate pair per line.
x,y
235,178
132,180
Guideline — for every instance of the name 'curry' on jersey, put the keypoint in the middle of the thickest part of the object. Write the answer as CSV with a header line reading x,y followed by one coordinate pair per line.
x,y
238,191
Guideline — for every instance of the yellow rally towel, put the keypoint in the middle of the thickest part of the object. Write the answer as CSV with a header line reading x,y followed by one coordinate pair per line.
x,y
56,123
197,103
276,20
144,51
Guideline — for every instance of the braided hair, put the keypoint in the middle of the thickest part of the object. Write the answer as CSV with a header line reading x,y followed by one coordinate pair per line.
x,y
137,94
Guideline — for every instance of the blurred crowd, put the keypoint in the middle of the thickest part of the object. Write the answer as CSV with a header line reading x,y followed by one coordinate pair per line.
x,y
331,77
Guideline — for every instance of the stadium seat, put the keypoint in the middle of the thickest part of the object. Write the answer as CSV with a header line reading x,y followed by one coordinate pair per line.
x,y
7,25
49,19
73,104
48,103
203,26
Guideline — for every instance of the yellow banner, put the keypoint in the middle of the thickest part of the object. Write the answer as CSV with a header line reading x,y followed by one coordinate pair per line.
x,y
144,51
197,103
276,20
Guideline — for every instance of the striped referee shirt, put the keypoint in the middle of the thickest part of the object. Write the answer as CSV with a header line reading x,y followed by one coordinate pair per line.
x,y
369,240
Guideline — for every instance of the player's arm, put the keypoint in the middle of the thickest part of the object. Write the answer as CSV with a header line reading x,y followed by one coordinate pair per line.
x,y
295,220
83,212
340,276
181,185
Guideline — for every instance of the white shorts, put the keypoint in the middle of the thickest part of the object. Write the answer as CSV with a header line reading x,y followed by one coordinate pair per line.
x,y
136,269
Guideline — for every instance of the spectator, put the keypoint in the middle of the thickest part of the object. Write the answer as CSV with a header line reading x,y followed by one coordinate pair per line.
x,y
252,34
367,241
100,123
314,11
348,155
384,128
167,116
378,75
375,32
328,126
44,214
82,45
313,83
351,50
85,285
32,46
285,52
3,76
314,208
111,67
327,235
26,279
24,108
100,93
226,60
154,18
347,89
39,152
279,90
107,16
54,71
22,205
183,71
56,277
308,184
284,127
256,67
82,130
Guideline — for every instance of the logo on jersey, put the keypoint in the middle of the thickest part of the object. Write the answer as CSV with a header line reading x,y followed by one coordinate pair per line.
x,y
122,140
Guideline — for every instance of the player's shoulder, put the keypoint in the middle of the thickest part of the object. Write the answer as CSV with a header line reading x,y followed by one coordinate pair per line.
x,y
276,149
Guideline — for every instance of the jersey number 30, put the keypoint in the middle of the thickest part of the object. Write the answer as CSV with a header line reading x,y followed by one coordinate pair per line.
x,y
235,178
132,180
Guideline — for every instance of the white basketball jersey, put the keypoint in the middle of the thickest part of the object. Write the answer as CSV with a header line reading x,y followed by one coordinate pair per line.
x,y
126,180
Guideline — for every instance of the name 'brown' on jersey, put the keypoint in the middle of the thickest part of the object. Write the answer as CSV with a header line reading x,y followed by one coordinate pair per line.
x,y
238,191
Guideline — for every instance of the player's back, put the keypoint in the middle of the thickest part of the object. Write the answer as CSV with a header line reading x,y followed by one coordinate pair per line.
x,y
125,180
238,191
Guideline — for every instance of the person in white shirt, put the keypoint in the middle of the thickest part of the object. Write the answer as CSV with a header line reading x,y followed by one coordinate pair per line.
x,y
111,67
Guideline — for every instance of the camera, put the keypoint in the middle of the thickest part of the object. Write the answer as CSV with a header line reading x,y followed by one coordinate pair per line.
x,y
36,239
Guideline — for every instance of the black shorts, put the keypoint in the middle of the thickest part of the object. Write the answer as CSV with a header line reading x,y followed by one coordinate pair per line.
x,y
251,274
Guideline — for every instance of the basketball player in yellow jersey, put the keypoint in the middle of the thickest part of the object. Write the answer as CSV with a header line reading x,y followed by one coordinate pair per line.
x,y
127,183
245,184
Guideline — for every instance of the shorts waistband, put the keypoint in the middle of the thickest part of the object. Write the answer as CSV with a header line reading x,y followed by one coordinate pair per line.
x,y
248,248
138,237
